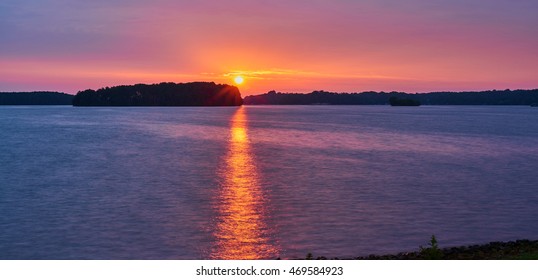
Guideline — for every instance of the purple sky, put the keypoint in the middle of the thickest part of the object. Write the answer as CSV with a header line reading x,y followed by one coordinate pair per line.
x,y
296,46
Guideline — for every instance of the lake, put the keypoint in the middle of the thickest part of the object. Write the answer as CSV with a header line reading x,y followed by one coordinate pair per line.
x,y
261,182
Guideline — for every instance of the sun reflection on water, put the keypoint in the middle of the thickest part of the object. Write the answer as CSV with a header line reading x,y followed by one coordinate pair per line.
x,y
241,231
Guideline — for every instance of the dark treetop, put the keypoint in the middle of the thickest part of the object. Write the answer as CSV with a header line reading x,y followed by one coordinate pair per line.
x,y
35,98
395,101
163,94
493,97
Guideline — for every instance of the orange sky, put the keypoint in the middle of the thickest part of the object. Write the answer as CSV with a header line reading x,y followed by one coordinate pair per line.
x,y
289,46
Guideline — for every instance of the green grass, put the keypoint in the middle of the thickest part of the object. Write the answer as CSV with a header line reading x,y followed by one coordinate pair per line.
x,y
511,250
433,252
527,256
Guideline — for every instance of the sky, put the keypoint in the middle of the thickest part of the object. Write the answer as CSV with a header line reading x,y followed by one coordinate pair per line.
x,y
287,46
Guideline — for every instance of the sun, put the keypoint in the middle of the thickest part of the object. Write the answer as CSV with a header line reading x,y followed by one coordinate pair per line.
x,y
239,80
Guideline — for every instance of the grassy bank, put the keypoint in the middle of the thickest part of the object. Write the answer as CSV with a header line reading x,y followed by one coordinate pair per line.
x,y
512,250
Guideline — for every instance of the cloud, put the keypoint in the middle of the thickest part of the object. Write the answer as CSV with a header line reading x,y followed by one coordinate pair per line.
x,y
289,73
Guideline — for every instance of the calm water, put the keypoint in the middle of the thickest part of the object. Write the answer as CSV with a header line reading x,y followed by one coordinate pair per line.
x,y
262,182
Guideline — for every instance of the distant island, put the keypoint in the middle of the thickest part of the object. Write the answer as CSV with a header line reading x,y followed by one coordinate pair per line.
x,y
211,94
395,101
35,98
163,94
492,97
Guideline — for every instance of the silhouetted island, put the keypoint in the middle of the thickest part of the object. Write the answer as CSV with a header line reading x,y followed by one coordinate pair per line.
x,y
492,97
35,98
163,94
395,101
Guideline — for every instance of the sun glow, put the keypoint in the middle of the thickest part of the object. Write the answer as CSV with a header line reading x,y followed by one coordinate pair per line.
x,y
239,80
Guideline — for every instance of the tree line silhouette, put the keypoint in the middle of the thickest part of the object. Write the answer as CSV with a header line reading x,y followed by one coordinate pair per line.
x,y
163,94
211,94
492,97
35,98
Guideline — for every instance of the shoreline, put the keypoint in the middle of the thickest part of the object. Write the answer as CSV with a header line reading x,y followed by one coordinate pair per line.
x,y
522,249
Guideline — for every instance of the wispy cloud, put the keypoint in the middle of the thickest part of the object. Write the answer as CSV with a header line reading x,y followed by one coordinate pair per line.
x,y
285,73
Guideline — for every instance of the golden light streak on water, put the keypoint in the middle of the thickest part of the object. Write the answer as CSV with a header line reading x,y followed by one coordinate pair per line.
x,y
241,232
